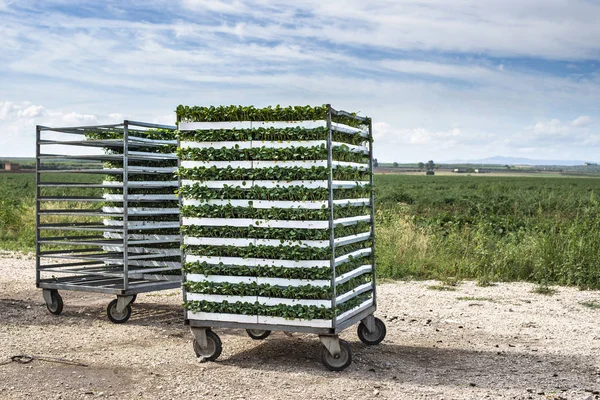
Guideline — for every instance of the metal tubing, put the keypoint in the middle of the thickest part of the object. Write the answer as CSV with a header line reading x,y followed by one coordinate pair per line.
x,y
125,207
372,213
331,210
37,204
349,115
148,125
179,197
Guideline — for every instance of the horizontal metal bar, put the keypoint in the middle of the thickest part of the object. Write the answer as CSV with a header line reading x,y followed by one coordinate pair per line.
x,y
107,286
343,113
355,316
77,128
74,264
112,171
75,185
363,269
354,292
113,271
269,327
83,237
132,155
361,237
65,251
111,143
94,213
141,184
71,198
149,125
115,258
78,227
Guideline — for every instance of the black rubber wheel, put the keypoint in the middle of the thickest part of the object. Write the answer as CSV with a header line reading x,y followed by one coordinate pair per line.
x,y
372,338
212,351
133,299
258,334
116,317
339,363
56,306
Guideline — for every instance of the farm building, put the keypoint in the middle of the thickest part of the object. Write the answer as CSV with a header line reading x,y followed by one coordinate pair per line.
x,y
11,166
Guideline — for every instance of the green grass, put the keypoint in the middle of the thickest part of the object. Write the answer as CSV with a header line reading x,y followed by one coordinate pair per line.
x,y
594,305
449,228
17,207
542,230
544,289
472,298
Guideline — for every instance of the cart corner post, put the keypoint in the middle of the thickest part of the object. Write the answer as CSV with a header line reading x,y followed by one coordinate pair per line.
x,y
38,134
125,205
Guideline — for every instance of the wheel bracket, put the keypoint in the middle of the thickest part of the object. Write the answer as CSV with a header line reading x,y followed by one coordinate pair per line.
x,y
331,343
369,322
200,336
123,302
47,293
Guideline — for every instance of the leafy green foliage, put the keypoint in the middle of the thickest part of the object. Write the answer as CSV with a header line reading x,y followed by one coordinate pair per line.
x,y
250,113
272,173
342,153
264,271
310,292
269,134
281,310
281,252
264,290
261,251
153,134
273,233
293,193
290,214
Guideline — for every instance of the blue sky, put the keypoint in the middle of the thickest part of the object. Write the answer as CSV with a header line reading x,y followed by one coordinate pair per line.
x,y
441,79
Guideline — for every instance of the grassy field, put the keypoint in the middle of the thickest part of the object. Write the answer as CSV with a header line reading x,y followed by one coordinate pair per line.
x,y
489,228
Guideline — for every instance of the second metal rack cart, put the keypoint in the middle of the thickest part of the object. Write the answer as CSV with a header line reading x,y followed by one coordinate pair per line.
x,y
107,217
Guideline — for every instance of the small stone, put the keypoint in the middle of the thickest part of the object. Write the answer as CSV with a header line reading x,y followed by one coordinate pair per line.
x,y
472,384
376,392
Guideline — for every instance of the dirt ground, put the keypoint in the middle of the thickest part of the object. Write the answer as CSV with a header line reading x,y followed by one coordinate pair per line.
x,y
470,343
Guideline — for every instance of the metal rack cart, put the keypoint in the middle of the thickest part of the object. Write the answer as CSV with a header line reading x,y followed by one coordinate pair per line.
x,y
107,215
266,299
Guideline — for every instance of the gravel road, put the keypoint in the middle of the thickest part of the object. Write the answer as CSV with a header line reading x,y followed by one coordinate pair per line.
x,y
501,341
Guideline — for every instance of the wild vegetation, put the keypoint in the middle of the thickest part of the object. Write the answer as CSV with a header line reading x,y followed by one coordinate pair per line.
x,y
487,228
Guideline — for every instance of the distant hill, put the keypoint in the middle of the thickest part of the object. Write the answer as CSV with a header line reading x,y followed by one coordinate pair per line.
x,y
515,161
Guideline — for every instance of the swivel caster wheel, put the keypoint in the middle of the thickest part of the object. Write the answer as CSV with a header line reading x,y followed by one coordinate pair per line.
x,y
258,334
115,316
338,362
54,302
373,337
213,348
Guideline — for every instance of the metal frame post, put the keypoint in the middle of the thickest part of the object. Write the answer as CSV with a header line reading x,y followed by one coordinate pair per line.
x,y
372,212
331,212
125,205
38,134
183,274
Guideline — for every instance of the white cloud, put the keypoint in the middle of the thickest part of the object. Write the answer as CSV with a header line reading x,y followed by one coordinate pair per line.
x,y
449,96
584,120
18,121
